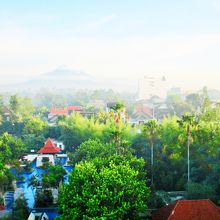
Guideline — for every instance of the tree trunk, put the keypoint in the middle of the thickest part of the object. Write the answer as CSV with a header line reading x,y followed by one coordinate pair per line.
x,y
152,162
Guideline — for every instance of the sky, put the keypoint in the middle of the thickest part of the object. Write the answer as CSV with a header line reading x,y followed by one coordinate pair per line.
x,y
114,39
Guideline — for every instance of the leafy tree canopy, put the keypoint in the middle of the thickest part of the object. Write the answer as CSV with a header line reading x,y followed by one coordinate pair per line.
x,y
113,188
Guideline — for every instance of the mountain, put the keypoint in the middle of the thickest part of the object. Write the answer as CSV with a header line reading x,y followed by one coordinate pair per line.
x,y
64,78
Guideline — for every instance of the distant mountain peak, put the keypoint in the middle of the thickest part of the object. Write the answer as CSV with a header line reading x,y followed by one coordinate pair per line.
x,y
64,73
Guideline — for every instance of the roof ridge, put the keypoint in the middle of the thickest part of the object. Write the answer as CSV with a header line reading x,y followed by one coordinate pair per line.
x,y
181,203
213,204
173,211
49,146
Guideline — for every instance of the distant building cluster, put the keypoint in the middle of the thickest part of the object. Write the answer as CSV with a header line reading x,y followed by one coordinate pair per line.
x,y
144,110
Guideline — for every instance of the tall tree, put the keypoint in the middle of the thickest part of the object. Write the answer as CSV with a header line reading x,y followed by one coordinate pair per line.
x,y
90,150
119,115
150,130
187,122
14,104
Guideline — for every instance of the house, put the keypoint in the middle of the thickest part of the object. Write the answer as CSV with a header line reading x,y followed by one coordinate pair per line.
x,y
49,148
141,114
56,112
188,210
145,110
47,153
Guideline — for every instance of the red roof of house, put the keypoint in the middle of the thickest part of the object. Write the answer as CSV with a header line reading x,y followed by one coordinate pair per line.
x,y
64,111
58,111
145,109
188,210
49,148
74,108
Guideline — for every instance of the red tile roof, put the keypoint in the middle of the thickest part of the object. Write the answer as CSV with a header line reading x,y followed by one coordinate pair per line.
x,y
145,109
49,148
64,111
74,108
58,111
163,213
188,210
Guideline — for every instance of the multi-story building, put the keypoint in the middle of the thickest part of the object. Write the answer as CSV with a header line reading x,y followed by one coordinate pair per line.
x,y
150,86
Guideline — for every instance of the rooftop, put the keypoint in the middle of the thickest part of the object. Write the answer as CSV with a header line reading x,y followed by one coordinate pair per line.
x,y
49,148
65,111
188,210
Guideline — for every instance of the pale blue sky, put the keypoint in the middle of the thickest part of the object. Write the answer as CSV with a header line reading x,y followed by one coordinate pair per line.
x,y
114,38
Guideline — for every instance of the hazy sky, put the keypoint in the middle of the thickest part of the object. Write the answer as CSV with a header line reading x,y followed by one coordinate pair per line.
x,y
113,39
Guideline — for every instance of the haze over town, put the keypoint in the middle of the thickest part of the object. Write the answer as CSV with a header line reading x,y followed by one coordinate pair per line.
x,y
120,41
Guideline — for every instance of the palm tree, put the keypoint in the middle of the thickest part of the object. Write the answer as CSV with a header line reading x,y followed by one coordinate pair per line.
x,y
188,121
150,130
118,112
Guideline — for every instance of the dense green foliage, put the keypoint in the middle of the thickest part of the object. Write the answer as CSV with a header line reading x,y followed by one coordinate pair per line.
x,y
10,149
108,135
90,150
77,129
113,188
20,210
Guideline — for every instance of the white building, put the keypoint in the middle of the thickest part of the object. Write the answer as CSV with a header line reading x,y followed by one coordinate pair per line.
x,y
152,86
50,152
